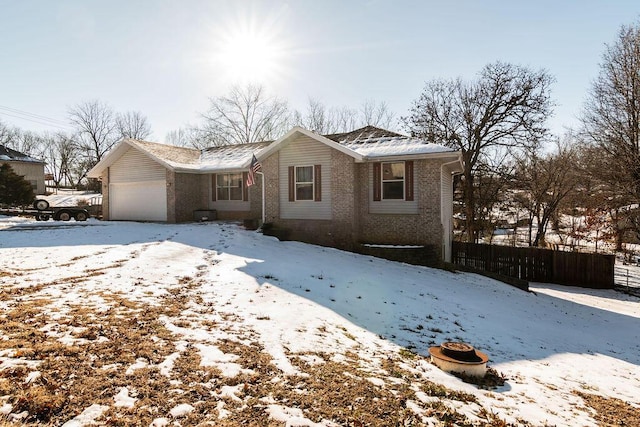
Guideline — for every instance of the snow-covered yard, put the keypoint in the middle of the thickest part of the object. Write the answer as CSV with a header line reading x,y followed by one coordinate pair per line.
x,y
151,324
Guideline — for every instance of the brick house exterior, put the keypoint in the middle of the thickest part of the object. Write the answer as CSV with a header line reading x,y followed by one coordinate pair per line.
x,y
354,217
368,187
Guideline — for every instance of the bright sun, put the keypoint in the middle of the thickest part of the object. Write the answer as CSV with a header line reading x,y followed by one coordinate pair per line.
x,y
250,54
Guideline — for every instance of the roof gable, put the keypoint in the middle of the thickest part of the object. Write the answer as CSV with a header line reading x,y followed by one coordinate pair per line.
x,y
169,156
298,131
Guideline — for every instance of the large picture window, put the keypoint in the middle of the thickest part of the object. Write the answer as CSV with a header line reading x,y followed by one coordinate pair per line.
x,y
304,182
393,181
229,186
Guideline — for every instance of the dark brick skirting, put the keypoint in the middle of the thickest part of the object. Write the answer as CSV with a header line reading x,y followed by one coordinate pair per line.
x,y
428,255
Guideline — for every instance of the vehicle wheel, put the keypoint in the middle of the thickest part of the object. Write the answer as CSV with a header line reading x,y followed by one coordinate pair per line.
x,y
44,217
64,215
81,216
38,218
41,204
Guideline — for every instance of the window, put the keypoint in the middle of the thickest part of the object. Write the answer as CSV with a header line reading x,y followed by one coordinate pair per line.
x,y
229,186
393,180
304,182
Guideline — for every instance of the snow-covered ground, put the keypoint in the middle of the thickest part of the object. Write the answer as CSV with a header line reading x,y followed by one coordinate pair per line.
x,y
254,312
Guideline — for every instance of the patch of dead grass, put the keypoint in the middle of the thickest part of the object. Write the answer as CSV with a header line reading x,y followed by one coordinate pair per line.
x,y
74,377
610,411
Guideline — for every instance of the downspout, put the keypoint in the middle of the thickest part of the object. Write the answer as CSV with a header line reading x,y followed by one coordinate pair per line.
x,y
446,235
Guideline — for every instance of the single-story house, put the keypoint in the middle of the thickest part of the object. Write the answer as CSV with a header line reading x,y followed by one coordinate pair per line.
x,y
369,186
29,168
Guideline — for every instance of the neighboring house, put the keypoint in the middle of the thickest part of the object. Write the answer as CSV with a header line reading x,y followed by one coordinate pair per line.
x,y
29,168
369,186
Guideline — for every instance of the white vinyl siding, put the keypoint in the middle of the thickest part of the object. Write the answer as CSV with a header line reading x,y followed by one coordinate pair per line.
x,y
305,151
134,166
392,206
137,188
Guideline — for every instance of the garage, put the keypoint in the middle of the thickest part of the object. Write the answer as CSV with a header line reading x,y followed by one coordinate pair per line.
x,y
138,201
137,188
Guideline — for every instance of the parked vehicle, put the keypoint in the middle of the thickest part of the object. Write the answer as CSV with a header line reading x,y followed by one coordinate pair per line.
x,y
42,211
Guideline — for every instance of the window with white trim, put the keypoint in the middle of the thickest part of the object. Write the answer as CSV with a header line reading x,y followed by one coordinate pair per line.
x,y
393,175
304,183
229,186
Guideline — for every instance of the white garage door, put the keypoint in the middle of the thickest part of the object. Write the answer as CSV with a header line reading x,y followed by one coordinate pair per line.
x,y
138,201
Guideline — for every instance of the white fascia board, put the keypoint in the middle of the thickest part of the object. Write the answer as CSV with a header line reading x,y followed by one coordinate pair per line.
x,y
200,171
109,159
454,155
120,149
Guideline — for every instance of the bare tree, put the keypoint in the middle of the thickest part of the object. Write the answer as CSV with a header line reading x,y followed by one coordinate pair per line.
x,y
505,108
96,126
323,120
377,114
7,135
611,122
246,114
132,124
545,181
180,137
316,118
61,156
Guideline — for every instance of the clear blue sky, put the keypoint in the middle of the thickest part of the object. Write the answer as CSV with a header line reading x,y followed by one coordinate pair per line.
x,y
167,58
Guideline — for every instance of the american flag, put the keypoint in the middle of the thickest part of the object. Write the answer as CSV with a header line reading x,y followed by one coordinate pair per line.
x,y
253,170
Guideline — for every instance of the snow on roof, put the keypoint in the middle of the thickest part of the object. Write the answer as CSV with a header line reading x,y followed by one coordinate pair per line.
x,y
210,159
7,154
176,157
229,156
370,141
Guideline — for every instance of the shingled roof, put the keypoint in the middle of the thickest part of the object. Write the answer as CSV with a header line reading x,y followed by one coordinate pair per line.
x,y
235,156
8,154
372,142
363,134
169,154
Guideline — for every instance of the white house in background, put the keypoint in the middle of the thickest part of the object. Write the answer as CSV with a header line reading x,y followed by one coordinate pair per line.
x,y
368,186
31,169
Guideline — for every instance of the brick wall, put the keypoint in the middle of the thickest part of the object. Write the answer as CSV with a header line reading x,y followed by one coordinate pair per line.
x,y
272,192
423,228
185,194
352,223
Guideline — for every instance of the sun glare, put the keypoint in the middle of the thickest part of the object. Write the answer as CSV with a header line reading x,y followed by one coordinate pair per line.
x,y
250,53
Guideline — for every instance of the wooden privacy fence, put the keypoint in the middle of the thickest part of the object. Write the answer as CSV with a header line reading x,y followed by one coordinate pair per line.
x,y
538,265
